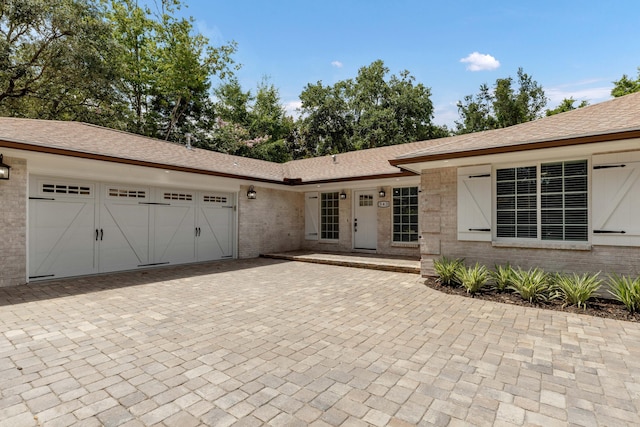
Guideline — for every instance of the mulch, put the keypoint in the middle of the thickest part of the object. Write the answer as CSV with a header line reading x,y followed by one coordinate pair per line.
x,y
597,307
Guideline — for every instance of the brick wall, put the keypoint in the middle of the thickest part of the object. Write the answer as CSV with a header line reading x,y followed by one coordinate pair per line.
x,y
383,226
272,222
13,224
439,237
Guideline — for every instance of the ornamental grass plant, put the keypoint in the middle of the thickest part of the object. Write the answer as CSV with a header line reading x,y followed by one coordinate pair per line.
x,y
575,289
447,270
473,279
532,285
626,290
502,277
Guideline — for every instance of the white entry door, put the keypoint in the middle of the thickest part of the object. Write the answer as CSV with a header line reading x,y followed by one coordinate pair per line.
x,y
365,224
215,226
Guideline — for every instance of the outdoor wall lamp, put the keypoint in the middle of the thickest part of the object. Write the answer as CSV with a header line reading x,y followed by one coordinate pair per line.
x,y
381,193
4,169
343,195
251,194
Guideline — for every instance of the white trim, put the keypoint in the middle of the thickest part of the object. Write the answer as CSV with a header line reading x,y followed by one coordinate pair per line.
x,y
400,244
312,215
543,244
616,187
472,227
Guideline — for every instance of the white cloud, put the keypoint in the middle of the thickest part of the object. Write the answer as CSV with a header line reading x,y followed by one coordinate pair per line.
x,y
336,64
480,62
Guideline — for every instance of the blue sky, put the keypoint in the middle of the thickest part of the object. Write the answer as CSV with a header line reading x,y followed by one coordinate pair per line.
x,y
571,48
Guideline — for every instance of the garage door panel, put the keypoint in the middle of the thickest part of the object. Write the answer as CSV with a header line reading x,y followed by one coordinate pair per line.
x,y
61,238
215,240
124,239
215,224
174,234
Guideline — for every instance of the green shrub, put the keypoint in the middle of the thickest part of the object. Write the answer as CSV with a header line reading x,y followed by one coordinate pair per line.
x,y
502,277
532,285
447,270
575,289
473,279
626,290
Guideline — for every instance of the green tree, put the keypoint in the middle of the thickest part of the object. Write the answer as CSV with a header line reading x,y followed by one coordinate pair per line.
x,y
268,116
625,85
373,110
251,126
57,61
328,124
166,67
232,103
566,105
504,106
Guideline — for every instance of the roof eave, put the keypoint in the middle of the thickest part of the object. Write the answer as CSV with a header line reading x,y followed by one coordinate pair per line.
x,y
566,142
121,160
402,173
37,148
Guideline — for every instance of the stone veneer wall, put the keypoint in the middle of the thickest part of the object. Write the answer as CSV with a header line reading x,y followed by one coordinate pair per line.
x,y
272,222
13,224
438,202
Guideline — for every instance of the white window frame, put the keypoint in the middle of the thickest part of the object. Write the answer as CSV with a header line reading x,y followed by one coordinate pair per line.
x,y
538,241
393,215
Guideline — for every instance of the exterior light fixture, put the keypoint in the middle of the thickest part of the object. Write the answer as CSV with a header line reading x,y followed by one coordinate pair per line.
x,y
251,194
4,169
343,195
381,193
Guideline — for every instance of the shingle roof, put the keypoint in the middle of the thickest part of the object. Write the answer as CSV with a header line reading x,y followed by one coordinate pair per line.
x,y
372,162
85,140
618,115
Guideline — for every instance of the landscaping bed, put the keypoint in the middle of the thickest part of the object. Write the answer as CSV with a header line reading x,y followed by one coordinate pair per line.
x,y
598,307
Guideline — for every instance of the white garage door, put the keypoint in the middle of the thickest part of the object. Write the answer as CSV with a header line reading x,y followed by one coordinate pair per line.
x,y
78,228
62,230
215,239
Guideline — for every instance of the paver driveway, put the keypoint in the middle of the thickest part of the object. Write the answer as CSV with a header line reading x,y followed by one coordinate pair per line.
x,y
286,343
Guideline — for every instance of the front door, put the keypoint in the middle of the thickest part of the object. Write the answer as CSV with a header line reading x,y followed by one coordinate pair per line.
x,y
365,224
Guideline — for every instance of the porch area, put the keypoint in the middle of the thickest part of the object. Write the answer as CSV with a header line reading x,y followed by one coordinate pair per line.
x,y
352,259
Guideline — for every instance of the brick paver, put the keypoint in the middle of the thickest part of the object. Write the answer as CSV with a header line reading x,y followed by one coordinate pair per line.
x,y
260,341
